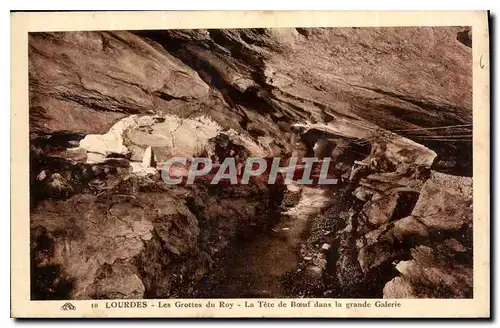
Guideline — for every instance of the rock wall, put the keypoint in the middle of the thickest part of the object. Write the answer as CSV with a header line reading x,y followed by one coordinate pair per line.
x,y
258,81
140,240
395,230
106,106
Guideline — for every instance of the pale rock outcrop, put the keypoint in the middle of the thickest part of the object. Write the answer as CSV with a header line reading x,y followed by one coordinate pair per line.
x,y
428,275
110,143
147,165
167,136
147,140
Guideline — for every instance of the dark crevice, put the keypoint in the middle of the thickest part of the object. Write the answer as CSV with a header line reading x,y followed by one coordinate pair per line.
x,y
166,96
465,37
48,281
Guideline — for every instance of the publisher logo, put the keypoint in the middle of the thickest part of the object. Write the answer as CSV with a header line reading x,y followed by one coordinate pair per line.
x,y
68,307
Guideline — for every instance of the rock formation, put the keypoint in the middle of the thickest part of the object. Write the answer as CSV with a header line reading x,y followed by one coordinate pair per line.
x,y
391,107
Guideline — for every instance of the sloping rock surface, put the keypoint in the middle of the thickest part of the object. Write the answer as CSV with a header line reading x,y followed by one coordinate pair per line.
x,y
256,80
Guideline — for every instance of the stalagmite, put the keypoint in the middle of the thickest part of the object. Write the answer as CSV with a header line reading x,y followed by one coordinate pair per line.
x,y
148,159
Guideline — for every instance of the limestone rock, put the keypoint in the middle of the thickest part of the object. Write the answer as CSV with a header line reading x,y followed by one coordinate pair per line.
x,y
95,158
127,243
75,154
110,143
443,209
91,92
392,206
325,246
140,170
136,153
398,288
409,227
83,236
124,97
362,194
117,281
88,93
59,186
41,176
445,202
431,277
380,212
148,160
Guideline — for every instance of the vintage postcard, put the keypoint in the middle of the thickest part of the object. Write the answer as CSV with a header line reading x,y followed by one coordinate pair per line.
x,y
250,164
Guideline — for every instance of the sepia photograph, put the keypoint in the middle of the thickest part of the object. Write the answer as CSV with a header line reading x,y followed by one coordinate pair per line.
x,y
306,164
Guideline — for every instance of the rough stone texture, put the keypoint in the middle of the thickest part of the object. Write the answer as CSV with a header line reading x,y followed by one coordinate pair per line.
x,y
429,275
398,288
129,244
442,221
437,237
84,81
431,226
445,202
117,281
258,80
98,100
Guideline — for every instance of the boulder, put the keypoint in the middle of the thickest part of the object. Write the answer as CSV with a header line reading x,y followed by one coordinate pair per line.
x,y
110,143
428,276
440,228
445,202
398,288
128,243
117,281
